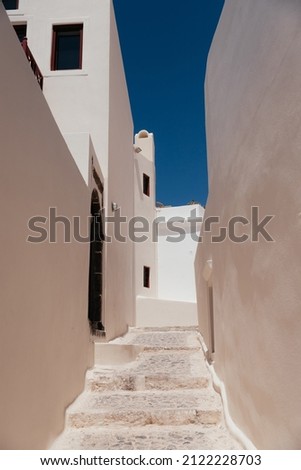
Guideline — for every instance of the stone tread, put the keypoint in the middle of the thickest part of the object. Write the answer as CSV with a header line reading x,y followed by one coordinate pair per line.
x,y
162,400
164,340
155,399
134,382
150,437
142,408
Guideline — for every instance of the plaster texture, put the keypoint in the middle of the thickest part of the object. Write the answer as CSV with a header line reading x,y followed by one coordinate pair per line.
x,y
171,298
146,251
91,108
45,346
176,252
253,109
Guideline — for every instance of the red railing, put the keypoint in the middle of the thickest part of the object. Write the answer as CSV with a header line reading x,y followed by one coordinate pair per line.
x,y
37,72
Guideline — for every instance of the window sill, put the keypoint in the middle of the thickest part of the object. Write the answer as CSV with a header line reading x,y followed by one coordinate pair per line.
x,y
14,13
66,73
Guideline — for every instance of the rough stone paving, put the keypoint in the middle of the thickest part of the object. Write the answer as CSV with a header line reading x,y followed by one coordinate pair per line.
x,y
162,400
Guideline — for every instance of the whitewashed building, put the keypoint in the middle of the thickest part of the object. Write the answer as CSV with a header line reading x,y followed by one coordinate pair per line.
x,y
76,47
69,166
66,153
164,250
248,285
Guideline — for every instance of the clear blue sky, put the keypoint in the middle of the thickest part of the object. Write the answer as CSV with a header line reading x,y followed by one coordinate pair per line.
x,y
165,45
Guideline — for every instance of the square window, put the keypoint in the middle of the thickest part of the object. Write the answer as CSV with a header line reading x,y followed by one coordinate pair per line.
x,y
67,44
11,4
20,30
146,184
146,276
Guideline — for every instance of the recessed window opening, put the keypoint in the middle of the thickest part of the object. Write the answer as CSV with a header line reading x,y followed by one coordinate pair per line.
x,y
11,4
20,30
67,45
146,277
96,264
146,184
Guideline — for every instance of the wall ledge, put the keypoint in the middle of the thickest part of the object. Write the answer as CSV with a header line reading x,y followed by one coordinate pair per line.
x,y
220,388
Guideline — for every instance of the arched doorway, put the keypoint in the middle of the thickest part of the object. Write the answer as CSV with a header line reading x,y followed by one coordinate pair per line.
x,y
96,268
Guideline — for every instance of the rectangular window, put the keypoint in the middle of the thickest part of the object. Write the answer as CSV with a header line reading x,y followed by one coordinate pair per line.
x,y
11,4
20,30
146,276
67,45
146,184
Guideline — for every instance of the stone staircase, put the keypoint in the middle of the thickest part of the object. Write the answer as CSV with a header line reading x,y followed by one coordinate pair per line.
x,y
161,400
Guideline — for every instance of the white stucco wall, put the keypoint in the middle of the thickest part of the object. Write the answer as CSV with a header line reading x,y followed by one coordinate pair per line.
x,y
253,109
79,99
174,303
146,251
44,335
176,253
119,275
92,109
156,312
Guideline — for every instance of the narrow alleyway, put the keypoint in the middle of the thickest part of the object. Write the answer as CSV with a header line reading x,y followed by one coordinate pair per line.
x,y
163,399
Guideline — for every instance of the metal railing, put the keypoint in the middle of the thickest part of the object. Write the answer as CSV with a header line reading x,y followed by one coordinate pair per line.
x,y
34,66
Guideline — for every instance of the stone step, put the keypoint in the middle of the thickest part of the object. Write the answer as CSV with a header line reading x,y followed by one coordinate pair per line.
x,y
144,408
153,340
99,382
159,399
188,437
163,370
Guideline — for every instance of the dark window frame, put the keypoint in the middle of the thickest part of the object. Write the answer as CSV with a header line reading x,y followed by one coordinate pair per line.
x,y
146,185
20,27
15,8
146,277
65,29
